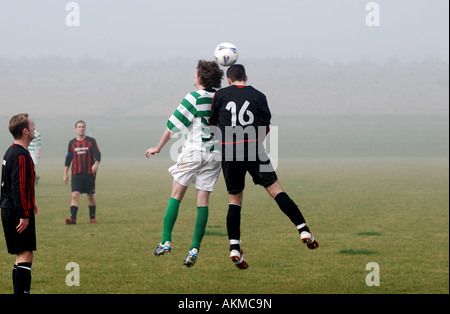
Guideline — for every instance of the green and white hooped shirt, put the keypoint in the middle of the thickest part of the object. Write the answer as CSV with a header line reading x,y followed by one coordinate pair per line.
x,y
192,117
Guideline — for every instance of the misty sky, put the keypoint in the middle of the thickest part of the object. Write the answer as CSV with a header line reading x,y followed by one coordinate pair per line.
x,y
135,30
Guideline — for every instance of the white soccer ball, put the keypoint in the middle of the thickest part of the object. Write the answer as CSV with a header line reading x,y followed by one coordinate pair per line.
x,y
226,54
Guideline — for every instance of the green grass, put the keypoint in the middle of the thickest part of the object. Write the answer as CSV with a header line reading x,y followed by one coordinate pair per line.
x,y
392,212
357,252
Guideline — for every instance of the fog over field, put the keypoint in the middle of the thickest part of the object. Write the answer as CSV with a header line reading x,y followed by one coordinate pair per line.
x,y
338,83
359,109
62,87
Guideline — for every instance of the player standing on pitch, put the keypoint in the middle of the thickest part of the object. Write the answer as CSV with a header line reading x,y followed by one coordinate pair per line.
x,y
84,155
243,117
35,150
18,203
198,163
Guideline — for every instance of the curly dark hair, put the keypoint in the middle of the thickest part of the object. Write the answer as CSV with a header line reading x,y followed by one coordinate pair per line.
x,y
209,74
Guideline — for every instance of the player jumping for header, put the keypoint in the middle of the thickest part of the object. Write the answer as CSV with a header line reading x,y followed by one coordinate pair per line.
x,y
198,163
242,116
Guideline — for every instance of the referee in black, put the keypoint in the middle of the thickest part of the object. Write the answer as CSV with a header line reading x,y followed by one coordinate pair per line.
x,y
18,203
84,155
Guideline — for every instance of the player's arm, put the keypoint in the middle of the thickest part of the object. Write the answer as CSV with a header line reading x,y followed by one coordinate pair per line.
x,y
95,166
265,115
214,119
179,121
66,176
164,139
20,186
97,154
68,161
97,157
34,204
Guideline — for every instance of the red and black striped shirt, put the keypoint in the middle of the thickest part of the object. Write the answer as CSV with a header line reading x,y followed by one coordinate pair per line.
x,y
18,177
82,154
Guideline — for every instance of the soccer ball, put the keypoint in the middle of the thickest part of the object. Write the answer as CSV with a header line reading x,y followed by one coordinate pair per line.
x,y
226,54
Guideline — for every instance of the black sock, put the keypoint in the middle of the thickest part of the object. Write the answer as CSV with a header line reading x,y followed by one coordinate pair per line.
x,y
234,226
14,278
92,211
291,210
73,212
23,278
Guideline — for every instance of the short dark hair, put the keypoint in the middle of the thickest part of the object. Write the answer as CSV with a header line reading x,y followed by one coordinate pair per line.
x,y
17,124
80,121
209,74
236,73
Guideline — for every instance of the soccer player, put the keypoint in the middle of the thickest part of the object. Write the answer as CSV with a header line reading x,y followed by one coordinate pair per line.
x,y
242,116
198,163
18,203
84,155
35,150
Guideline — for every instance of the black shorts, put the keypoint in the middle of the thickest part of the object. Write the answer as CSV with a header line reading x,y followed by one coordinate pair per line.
x,y
234,173
83,183
18,242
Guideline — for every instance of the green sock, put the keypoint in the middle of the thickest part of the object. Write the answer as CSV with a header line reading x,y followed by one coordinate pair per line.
x,y
200,226
169,219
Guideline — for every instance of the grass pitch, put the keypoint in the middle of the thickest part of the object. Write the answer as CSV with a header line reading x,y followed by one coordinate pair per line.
x,y
391,212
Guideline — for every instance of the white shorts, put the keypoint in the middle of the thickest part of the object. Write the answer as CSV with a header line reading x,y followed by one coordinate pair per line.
x,y
200,168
